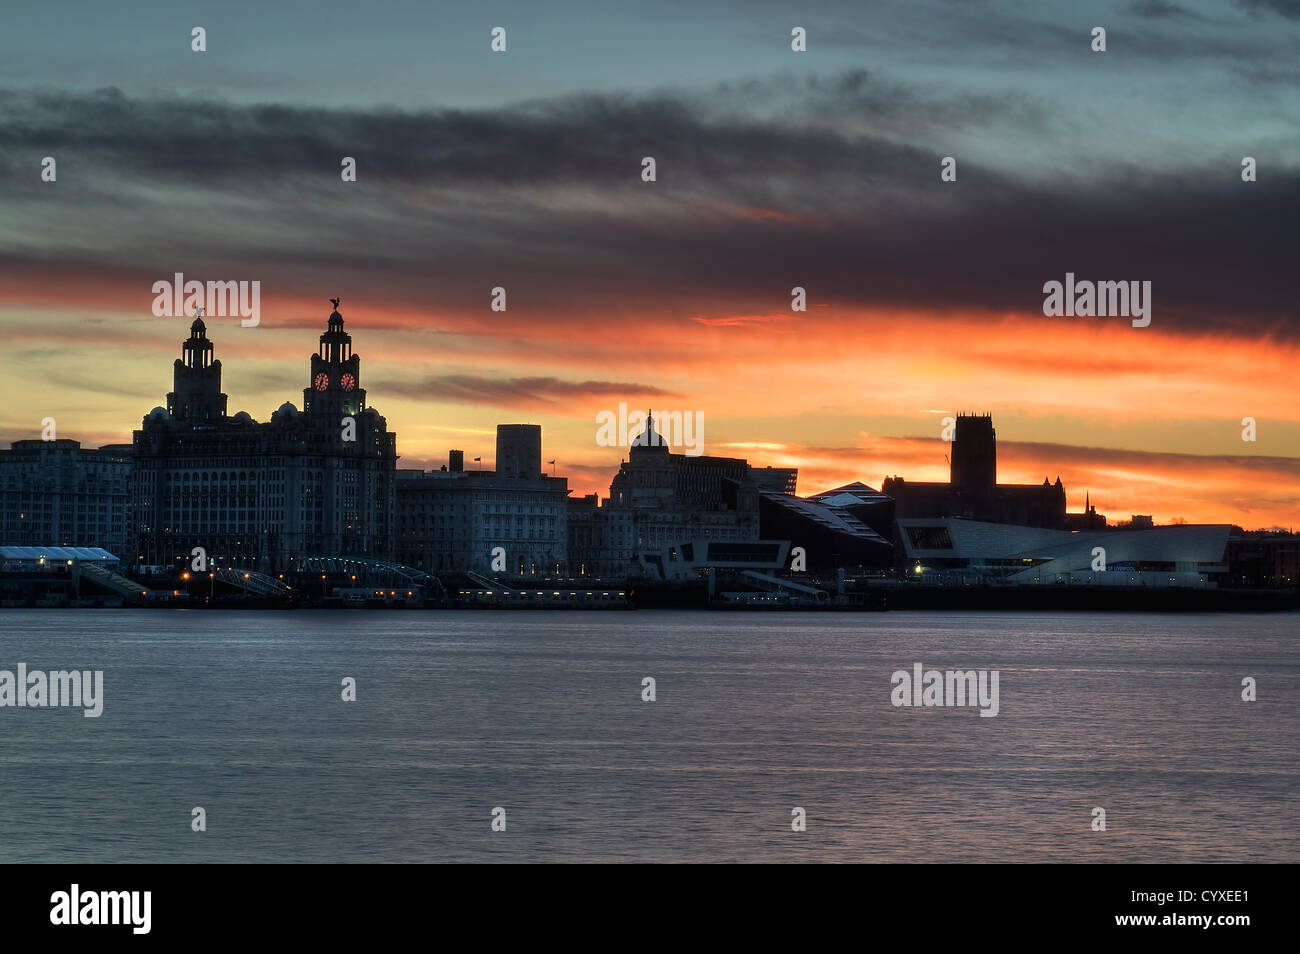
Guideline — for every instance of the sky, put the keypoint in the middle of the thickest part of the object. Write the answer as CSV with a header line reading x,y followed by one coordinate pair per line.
x,y
774,169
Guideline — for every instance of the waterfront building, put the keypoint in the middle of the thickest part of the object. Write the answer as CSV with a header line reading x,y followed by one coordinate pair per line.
x,y
659,499
1264,558
265,495
846,528
959,551
58,493
451,520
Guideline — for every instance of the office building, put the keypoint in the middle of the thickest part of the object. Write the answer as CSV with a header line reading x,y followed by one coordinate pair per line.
x,y
264,495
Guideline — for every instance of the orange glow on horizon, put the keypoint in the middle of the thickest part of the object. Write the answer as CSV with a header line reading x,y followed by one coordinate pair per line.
x,y
844,394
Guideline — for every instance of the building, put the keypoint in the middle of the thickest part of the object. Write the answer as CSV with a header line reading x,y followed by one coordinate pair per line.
x,y
519,451
973,491
1264,558
871,507
659,499
849,527
452,520
310,483
1090,519
782,480
57,493
591,548
969,551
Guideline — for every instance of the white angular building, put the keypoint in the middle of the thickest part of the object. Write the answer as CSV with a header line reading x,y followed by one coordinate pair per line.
x,y
971,551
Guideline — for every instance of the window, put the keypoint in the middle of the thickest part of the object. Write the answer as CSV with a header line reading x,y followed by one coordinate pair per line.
x,y
929,538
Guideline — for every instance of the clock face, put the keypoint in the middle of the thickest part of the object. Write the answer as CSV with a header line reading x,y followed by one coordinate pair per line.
x,y
322,381
348,382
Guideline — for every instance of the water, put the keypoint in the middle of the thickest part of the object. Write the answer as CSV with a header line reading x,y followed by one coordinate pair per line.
x,y
541,713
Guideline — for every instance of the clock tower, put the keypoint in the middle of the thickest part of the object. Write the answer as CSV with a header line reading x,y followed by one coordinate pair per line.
x,y
334,388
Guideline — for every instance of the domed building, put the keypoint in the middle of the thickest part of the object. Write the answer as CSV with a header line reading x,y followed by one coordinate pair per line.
x,y
315,482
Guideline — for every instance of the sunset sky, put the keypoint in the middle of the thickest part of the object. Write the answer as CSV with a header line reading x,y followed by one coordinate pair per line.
x,y
775,169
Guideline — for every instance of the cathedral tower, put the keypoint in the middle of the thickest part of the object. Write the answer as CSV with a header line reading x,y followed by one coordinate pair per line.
x,y
974,455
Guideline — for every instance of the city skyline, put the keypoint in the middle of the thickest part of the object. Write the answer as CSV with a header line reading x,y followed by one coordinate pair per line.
x,y
776,169
464,438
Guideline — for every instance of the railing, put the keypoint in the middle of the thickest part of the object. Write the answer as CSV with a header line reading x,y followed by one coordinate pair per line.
x,y
252,581
113,582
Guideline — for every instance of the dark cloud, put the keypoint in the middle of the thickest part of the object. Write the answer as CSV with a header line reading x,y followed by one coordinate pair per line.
x,y
1155,9
548,195
1153,461
105,138
538,392
1048,35
1286,8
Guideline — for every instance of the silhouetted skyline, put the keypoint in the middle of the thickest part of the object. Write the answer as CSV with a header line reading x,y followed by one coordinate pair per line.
x,y
776,169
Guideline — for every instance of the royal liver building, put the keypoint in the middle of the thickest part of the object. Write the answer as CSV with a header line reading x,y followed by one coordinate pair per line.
x,y
315,482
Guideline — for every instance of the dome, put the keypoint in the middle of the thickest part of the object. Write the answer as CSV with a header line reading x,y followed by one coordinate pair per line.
x,y
243,417
158,414
286,410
